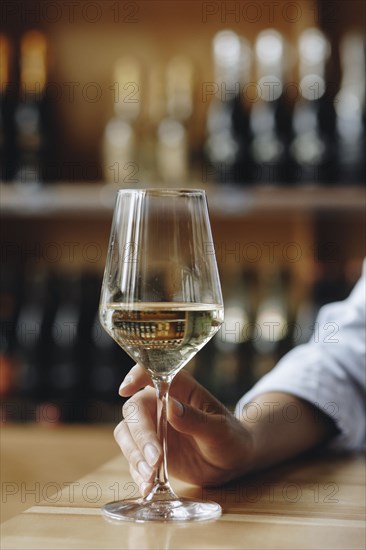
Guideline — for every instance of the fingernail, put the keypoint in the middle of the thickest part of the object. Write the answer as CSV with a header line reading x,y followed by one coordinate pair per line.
x,y
144,470
151,453
178,408
128,379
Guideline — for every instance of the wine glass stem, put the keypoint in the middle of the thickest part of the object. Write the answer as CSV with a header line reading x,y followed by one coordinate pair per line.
x,y
162,487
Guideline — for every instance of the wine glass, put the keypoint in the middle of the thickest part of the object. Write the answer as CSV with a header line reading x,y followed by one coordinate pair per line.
x,y
161,302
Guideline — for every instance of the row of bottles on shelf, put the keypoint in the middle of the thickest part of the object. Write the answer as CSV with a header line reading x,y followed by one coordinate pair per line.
x,y
58,364
275,129
261,127
262,124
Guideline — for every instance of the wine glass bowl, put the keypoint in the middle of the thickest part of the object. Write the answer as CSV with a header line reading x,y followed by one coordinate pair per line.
x,y
161,302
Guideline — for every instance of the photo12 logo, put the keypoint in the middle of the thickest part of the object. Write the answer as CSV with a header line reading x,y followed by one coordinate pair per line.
x,y
69,11
229,12
270,12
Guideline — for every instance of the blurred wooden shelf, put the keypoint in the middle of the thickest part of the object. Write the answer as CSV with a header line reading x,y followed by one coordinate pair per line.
x,y
98,200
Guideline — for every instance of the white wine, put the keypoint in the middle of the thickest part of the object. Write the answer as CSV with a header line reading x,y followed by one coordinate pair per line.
x,y
162,336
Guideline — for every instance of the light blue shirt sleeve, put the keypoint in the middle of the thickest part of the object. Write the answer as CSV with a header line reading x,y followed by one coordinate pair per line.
x,y
330,370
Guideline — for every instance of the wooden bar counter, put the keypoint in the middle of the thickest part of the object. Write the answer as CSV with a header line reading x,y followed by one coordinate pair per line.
x,y
314,502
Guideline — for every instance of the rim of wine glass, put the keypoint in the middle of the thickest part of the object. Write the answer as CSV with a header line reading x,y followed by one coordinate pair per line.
x,y
164,191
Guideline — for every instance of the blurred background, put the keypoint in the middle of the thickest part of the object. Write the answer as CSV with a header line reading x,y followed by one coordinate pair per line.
x,y
260,103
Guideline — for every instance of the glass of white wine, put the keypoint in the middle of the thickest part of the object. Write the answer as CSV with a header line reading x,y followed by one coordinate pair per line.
x,y
161,302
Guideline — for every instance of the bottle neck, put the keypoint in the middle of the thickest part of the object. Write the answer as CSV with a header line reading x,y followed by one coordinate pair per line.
x,y
127,88
314,51
270,60
179,88
33,67
232,62
4,64
350,100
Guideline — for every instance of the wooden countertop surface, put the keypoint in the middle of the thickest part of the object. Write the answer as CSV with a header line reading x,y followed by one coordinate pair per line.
x,y
311,503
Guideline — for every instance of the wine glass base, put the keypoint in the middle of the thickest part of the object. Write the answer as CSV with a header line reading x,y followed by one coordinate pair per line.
x,y
181,509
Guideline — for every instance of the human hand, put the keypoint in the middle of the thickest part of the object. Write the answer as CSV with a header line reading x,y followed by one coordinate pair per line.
x,y
206,443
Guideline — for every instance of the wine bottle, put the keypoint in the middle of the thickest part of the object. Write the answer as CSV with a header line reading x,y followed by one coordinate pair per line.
x,y
172,152
98,384
7,106
272,336
179,88
64,373
224,365
227,143
32,114
32,342
107,363
10,300
350,111
330,283
120,165
269,119
313,124
154,111
173,158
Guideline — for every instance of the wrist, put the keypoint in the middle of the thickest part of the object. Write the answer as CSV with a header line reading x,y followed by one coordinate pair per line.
x,y
246,458
276,435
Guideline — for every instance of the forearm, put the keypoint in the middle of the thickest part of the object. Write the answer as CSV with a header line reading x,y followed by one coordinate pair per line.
x,y
283,426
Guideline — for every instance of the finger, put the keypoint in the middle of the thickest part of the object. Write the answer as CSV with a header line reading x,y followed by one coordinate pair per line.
x,y
132,452
193,421
140,417
186,389
183,385
144,487
136,379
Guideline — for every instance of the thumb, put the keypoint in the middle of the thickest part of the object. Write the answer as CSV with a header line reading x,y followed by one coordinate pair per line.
x,y
189,420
